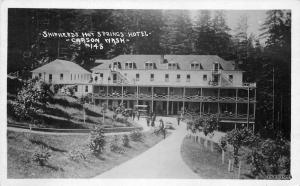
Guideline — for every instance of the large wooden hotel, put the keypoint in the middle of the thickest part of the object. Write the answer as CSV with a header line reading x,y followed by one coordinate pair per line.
x,y
167,84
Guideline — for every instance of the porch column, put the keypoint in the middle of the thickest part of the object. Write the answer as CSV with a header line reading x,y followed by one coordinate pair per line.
x,y
236,101
218,108
248,106
152,101
168,100
122,89
107,96
183,103
172,105
137,94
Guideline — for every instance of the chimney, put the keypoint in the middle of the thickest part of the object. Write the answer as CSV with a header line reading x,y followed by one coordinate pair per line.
x,y
162,59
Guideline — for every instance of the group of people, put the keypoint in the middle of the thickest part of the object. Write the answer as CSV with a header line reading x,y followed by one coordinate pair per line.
x,y
151,119
135,114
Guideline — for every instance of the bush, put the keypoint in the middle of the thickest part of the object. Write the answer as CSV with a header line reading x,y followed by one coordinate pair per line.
x,y
76,155
41,156
97,141
125,140
115,147
136,136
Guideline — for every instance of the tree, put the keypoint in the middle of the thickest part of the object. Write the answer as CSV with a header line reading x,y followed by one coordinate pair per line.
x,y
32,100
238,138
276,71
176,35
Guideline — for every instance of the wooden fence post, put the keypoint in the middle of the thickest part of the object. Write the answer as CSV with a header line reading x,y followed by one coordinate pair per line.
x,y
229,165
223,154
239,172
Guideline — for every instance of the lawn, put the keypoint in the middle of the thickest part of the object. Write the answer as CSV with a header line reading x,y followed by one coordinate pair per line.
x,y
22,145
208,164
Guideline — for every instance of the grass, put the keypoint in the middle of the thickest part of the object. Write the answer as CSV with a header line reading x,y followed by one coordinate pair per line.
x,y
208,164
66,112
21,146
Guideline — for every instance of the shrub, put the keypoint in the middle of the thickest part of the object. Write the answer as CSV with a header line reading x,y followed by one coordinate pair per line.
x,y
41,156
115,147
125,140
97,141
76,155
136,136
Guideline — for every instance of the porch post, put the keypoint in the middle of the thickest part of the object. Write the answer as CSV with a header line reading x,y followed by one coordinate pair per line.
x,y
122,89
218,108
248,106
152,101
183,104
168,100
236,100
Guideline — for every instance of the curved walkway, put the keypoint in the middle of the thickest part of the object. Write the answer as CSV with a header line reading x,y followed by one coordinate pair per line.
x,y
161,161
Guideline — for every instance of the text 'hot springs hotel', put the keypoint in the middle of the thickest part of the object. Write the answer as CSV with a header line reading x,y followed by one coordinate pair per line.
x,y
168,84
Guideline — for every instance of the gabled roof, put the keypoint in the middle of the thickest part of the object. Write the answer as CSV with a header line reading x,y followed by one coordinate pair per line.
x,y
60,65
184,61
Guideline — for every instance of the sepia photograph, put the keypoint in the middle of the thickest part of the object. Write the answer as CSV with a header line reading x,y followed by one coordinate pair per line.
x,y
148,93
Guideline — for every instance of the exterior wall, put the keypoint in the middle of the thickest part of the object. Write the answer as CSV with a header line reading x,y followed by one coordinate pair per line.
x,y
81,90
196,77
76,78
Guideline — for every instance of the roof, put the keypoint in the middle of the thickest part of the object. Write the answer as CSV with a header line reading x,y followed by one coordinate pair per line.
x,y
183,61
60,65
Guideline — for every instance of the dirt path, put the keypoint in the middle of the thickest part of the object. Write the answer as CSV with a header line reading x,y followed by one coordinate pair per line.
x,y
161,161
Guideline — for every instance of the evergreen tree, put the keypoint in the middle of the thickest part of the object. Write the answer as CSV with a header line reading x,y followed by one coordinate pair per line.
x,y
176,35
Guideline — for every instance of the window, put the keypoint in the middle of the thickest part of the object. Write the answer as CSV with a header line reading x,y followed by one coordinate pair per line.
x,y
137,77
230,77
178,78
96,78
167,77
216,66
86,88
151,77
130,65
76,88
188,78
172,66
204,77
196,66
101,75
126,65
50,78
40,75
61,76
149,65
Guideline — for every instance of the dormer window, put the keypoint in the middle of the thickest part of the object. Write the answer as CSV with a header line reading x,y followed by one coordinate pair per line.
x,y
196,66
149,65
115,65
130,65
217,66
172,66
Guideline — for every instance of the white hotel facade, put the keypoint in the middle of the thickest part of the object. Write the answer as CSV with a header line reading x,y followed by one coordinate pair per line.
x,y
168,84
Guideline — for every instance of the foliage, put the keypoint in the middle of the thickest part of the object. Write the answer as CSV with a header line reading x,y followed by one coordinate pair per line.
x,y
41,156
136,136
206,124
115,146
76,154
126,140
241,137
97,141
31,100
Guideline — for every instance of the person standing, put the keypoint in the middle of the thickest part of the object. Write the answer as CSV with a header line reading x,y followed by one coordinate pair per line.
x,y
178,120
138,115
162,128
133,115
148,121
